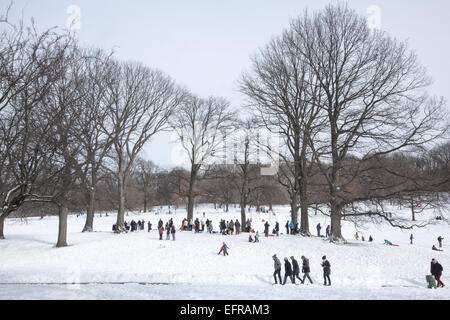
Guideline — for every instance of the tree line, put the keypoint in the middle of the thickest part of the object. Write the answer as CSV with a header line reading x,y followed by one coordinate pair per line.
x,y
349,105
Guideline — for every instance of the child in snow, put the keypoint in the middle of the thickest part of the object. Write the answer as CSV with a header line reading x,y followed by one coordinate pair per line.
x,y
223,249
257,237
250,238
440,241
160,230
356,236
387,242
435,249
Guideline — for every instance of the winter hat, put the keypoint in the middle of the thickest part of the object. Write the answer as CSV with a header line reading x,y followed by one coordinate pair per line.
x,y
292,257
324,257
274,256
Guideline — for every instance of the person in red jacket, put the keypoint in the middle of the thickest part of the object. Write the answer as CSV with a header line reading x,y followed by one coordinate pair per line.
x,y
224,249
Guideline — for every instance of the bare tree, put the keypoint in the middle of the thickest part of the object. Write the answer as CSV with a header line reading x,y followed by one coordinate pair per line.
x,y
92,112
200,125
30,64
373,98
140,102
284,94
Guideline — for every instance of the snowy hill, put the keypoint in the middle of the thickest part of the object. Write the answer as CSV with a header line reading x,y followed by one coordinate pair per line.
x,y
189,268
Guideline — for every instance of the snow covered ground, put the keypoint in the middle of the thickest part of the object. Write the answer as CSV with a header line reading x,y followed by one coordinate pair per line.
x,y
104,265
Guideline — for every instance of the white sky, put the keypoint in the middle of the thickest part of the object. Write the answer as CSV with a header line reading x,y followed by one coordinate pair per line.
x,y
206,44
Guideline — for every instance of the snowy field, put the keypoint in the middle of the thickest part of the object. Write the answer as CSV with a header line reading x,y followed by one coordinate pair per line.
x,y
137,265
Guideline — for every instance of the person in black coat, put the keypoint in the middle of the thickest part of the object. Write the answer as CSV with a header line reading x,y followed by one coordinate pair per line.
x,y
326,271
172,231
306,270
288,271
296,268
266,229
436,271
287,227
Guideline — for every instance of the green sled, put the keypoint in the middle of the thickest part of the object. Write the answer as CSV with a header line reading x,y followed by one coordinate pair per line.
x,y
431,282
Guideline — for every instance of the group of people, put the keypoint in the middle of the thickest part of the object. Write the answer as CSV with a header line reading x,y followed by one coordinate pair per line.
x,y
169,227
292,271
132,226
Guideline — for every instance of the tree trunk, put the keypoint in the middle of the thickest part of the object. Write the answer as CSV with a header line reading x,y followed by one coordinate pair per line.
x,y
145,203
336,216
304,218
294,208
62,230
413,213
89,225
121,212
191,197
243,217
2,225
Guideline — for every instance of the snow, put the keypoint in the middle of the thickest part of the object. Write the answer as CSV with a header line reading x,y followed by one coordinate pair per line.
x,y
104,265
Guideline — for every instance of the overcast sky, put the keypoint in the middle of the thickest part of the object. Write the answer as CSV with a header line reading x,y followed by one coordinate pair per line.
x,y
206,44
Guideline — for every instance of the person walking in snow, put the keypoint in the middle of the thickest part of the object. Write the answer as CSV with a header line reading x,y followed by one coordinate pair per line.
x,y
149,225
237,224
306,270
197,225
172,231
436,270
440,241
411,239
277,266
223,249
370,239
295,269
231,226
277,228
160,231
266,229
327,230
291,227
326,271
288,271
167,231
318,227
287,227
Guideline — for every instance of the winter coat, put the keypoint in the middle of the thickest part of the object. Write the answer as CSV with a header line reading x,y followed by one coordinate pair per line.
x,y
326,268
277,264
295,266
291,225
287,268
436,269
305,267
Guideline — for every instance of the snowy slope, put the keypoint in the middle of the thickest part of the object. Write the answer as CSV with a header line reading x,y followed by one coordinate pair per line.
x,y
189,268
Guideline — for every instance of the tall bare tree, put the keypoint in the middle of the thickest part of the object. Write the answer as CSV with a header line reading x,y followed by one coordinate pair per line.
x,y
283,92
140,101
200,125
373,98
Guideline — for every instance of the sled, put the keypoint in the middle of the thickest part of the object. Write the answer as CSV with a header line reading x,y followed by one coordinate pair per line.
x,y
431,282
